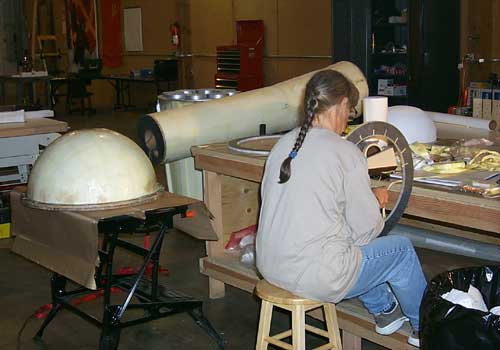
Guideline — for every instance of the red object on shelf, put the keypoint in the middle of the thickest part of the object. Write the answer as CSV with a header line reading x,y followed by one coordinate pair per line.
x,y
236,237
240,66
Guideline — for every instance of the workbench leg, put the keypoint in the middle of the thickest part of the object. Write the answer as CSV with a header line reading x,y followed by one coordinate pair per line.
x,y
350,341
216,288
212,196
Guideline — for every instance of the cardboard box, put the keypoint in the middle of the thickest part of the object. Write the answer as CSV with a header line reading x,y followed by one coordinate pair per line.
x,y
486,97
477,103
386,87
495,113
4,222
399,90
4,230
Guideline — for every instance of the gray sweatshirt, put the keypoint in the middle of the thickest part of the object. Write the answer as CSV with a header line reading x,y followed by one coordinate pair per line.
x,y
311,227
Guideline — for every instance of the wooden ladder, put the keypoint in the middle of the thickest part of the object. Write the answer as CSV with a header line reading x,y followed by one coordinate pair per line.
x,y
41,39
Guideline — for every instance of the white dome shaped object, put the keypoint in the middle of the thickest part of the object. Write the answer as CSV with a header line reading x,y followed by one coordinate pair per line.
x,y
90,170
414,123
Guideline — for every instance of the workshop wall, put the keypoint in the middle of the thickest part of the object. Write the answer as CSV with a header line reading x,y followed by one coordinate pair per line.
x,y
480,34
157,15
297,38
294,29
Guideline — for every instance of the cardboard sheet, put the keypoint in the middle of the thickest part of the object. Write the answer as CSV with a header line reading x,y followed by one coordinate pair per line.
x,y
67,242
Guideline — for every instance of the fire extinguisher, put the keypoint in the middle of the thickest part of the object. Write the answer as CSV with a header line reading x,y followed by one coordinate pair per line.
x,y
175,31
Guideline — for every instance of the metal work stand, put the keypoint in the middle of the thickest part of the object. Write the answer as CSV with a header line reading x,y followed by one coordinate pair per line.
x,y
156,300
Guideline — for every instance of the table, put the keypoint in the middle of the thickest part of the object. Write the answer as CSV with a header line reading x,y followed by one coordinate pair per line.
x,y
20,82
20,146
231,193
120,83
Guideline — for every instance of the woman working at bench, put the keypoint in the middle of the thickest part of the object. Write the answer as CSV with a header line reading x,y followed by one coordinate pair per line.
x,y
320,219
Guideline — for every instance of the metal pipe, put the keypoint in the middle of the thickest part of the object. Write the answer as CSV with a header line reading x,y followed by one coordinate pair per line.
x,y
446,243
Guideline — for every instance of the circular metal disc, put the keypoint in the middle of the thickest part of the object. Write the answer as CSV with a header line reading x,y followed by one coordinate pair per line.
x,y
255,146
380,131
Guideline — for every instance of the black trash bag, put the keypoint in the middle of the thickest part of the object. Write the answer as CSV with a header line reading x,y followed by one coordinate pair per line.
x,y
447,326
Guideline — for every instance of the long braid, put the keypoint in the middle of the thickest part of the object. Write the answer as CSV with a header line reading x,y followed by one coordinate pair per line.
x,y
325,89
310,110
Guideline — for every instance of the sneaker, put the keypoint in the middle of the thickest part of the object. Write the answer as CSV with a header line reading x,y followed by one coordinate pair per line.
x,y
389,322
414,338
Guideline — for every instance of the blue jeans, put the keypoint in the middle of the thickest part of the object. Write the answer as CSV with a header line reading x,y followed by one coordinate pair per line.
x,y
390,261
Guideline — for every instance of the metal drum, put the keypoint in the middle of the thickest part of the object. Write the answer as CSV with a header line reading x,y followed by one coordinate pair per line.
x,y
182,177
181,98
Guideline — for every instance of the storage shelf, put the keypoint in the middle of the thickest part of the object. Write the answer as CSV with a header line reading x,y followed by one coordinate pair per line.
x,y
397,98
388,25
390,76
389,53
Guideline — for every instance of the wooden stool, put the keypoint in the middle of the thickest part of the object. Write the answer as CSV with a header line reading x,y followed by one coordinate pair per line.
x,y
274,296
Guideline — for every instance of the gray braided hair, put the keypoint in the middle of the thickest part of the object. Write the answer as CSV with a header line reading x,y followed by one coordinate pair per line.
x,y
325,89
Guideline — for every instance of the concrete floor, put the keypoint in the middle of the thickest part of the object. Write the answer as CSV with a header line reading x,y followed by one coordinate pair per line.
x,y
24,287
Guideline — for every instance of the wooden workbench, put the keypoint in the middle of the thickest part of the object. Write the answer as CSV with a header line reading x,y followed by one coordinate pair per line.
x,y
32,127
231,192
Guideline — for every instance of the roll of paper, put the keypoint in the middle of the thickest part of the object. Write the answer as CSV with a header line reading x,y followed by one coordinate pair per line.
x,y
375,109
486,124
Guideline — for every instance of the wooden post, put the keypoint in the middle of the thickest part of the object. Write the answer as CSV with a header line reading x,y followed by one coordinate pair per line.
x,y
350,341
212,193
34,31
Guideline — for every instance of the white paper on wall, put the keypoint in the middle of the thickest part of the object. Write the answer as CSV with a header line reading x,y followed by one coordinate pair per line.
x,y
132,29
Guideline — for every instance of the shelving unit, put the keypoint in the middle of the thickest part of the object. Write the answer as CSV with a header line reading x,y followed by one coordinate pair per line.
x,y
430,32
389,56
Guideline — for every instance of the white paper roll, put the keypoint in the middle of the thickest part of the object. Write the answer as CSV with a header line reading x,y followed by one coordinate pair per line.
x,y
375,109
470,122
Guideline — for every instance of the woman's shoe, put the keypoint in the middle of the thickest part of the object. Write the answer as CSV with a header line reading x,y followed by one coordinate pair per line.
x,y
390,321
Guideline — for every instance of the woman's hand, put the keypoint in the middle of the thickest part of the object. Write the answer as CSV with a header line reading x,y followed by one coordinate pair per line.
x,y
382,196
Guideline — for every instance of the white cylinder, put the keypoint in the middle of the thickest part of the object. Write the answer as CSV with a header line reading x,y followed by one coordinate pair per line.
x,y
470,122
182,177
375,109
280,107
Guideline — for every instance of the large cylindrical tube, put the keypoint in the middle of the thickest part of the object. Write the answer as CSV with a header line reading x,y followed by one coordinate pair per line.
x,y
182,177
486,124
448,244
168,136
